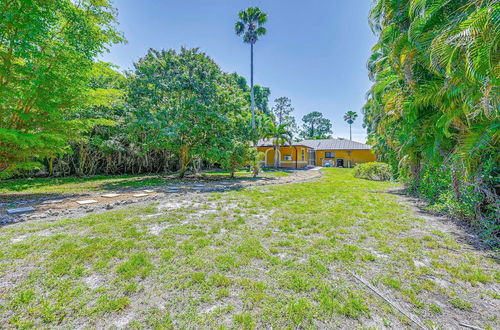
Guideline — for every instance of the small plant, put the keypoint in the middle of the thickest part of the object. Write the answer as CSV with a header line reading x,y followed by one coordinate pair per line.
x,y
353,307
461,304
255,162
299,311
220,280
373,171
244,320
435,309
138,264
391,282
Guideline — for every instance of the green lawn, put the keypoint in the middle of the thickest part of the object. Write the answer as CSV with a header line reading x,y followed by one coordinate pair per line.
x,y
271,256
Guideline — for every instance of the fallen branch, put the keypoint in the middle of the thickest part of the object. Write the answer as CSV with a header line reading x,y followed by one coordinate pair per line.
x,y
470,326
399,309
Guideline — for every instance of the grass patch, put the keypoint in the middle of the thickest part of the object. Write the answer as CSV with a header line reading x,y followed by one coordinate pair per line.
x,y
263,257
461,304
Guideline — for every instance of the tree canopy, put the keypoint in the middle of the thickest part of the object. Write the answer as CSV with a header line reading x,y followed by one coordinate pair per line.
x,y
47,49
282,112
183,102
350,117
250,24
315,126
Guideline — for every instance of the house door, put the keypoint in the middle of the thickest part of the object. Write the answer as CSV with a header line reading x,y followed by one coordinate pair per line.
x,y
312,157
340,162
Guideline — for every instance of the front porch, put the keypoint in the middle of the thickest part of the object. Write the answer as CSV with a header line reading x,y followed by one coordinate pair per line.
x,y
288,157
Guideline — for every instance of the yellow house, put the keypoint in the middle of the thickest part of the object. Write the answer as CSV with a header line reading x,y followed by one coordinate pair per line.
x,y
327,152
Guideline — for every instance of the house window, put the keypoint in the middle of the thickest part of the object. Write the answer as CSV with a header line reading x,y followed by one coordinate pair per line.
x,y
288,157
303,155
329,154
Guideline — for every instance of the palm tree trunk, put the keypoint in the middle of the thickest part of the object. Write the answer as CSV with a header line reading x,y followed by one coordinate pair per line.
x,y
350,132
251,86
276,156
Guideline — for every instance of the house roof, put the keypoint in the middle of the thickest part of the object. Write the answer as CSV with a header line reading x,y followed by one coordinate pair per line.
x,y
270,143
335,144
325,144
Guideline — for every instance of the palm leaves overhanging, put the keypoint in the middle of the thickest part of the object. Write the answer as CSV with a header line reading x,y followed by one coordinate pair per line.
x,y
433,108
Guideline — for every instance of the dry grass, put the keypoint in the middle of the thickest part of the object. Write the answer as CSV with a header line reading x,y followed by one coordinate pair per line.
x,y
274,256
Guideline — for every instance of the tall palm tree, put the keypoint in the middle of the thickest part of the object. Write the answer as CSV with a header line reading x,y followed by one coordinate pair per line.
x,y
350,117
280,135
250,26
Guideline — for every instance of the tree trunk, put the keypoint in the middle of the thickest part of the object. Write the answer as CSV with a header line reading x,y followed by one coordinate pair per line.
x,y
183,161
251,87
350,132
256,170
51,165
415,170
276,156
81,160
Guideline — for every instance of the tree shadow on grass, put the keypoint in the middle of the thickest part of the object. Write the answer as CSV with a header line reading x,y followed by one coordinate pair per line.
x,y
19,185
15,200
459,228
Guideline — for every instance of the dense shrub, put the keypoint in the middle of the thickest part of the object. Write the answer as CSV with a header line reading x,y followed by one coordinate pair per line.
x,y
373,171
446,188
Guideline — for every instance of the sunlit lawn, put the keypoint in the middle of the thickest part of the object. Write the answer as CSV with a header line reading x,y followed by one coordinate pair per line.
x,y
273,256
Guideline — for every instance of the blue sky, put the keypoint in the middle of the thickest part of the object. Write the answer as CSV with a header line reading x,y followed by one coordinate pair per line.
x,y
315,51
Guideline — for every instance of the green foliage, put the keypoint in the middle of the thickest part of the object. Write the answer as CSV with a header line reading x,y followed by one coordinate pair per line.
x,y
138,264
282,112
63,113
46,56
373,171
250,24
237,156
280,135
350,117
461,304
255,162
432,112
316,126
262,98
184,103
261,93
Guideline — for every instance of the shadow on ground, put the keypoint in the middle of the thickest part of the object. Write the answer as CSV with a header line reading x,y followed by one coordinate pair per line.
x,y
461,229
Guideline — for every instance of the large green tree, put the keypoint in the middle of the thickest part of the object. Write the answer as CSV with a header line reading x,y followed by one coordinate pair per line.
x,y
433,109
315,126
47,49
183,102
250,26
101,124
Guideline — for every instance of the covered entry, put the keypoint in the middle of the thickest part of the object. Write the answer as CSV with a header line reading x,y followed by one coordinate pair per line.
x,y
312,157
